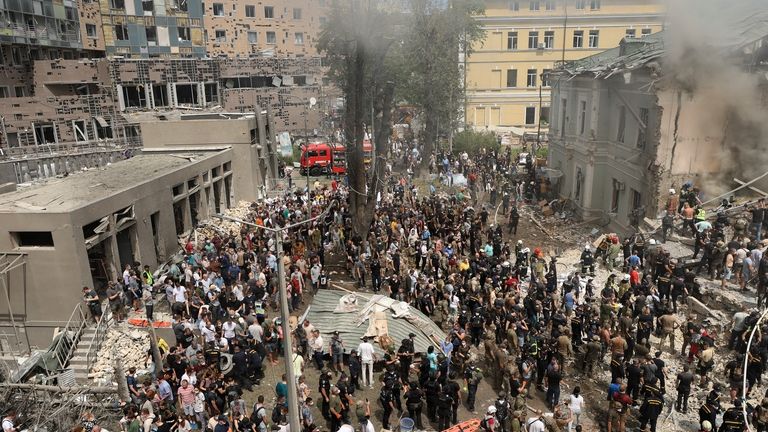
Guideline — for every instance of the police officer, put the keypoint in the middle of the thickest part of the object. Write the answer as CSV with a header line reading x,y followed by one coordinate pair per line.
x,y
432,393
413,401
453,389
476,326
386,397
472,378
502,412
650,411
324,388
733,418
587,261
392,378
444,409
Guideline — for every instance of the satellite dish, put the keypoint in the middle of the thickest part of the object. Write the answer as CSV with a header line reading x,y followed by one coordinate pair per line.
x,y
312,101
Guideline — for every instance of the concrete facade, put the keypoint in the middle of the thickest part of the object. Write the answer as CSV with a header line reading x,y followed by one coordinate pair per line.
x,y
525,40
89,225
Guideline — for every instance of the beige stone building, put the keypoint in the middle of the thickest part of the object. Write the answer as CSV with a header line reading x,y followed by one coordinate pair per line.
x,y
525,40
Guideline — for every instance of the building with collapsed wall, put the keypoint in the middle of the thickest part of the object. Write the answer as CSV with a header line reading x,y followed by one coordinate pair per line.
x,y
81,230
79,111
632,122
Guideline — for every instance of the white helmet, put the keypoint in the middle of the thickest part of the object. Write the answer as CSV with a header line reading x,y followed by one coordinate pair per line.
x,y
625,277
519,242
492,409
586,248
652,241
671,191
706,425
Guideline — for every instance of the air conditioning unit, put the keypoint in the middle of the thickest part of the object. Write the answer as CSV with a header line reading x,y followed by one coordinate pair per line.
x,y
541,45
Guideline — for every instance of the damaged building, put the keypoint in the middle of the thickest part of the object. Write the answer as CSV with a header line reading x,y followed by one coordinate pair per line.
x,y
79,113
90,224
632,122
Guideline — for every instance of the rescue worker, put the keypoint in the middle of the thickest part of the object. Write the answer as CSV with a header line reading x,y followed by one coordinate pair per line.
x,y
502,412
650,411
472,378
733,418
587,261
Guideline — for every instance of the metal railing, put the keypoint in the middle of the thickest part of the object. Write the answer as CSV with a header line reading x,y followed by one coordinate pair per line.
x,y
70,335
39,32
70,148
102,326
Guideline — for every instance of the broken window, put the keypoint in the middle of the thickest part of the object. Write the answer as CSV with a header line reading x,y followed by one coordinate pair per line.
x,y
514,5
45,133
5,92
533,40
271,37
102,127
630,33
90,30
79,130
218,9
534,5
594,4
117,4
250,11
253,37
221,35
297,13
124,216
180,5
511,40
300,80
545,77
581,4
594,38
645,32
147,5
160,95
549,5
211,93
33,238
151,32
616,195
579,178
544,115
531,79
20,91
582,117
121,32
641,131
13,139
511,77
549,39
133,96
186,94
299,38
622,123
530,115
183,34
269,12
563,111
178,216
578,38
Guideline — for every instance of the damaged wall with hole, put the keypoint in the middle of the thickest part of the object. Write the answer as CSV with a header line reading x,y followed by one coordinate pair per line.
x,y
612,165
237,29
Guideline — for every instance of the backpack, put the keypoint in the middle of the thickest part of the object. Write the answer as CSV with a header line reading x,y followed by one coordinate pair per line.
x,y
276,414
255,418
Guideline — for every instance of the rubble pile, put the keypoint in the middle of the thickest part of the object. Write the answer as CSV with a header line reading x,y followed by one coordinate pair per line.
x,y
129,345
213,227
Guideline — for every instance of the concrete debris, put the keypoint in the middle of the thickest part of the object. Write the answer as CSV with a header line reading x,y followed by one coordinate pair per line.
x,y
130,345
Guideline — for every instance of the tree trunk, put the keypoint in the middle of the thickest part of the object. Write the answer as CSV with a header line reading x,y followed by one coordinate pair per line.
x,y
355,135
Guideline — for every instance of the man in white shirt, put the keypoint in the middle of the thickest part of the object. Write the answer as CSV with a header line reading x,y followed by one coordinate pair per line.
x,y
256,331
536,423
8,421
367,357
317,349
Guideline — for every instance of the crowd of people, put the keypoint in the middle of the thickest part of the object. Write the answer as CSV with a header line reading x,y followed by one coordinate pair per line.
x,y
513,317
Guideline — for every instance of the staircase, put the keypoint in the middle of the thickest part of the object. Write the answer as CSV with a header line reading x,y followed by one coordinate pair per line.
x,y
91,339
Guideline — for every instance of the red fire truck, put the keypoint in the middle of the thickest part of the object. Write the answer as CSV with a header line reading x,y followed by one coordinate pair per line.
x,y
323,158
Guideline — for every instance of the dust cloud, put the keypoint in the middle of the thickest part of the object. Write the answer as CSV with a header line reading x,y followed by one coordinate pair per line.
x,y
711,53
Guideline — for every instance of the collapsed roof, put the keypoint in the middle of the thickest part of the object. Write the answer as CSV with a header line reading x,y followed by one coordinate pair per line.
x,y
355,315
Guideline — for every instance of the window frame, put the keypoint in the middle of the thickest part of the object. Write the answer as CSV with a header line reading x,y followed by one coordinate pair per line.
x,y
274,38
594,39
549,39
531,109
531,78
220,8
533,39
269,12
512,39
580,35
250,11
255,40
512,73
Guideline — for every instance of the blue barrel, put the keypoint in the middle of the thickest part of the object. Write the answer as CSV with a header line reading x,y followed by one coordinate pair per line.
x,y
406,424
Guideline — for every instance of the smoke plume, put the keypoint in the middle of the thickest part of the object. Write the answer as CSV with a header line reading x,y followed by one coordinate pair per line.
x,y
711,55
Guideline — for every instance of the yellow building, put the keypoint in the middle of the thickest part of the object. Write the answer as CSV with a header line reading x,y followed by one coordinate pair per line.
x,y
526,39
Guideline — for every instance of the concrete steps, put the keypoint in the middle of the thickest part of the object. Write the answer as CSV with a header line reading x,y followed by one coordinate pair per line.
x,y
78,362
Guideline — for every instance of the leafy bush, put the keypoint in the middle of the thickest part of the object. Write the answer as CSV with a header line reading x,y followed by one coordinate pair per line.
x,y
471,141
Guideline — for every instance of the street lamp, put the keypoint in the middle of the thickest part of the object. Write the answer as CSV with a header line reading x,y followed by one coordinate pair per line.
x,y
293,400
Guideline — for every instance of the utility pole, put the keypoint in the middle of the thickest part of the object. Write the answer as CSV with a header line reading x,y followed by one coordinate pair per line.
x,y
279,233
